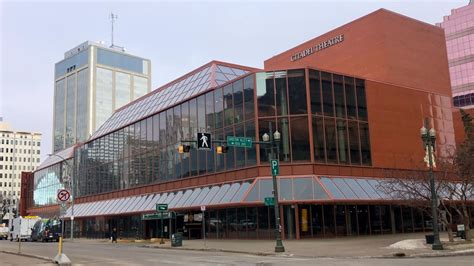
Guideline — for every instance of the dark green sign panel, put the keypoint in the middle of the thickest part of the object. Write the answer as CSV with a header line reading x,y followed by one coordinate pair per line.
x,y
270,201
275,167
161,207
156,216
241,142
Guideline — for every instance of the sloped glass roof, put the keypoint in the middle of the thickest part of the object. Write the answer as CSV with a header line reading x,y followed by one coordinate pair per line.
x,y
210,75
309,188
57,157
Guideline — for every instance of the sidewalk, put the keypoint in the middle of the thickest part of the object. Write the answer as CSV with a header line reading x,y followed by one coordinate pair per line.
x,y
410,245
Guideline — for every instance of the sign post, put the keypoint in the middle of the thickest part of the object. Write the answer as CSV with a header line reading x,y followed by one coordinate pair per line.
x,y
203,209
161,208
204,141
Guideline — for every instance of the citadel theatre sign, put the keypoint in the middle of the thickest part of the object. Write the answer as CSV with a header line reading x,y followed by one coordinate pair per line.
x,y
318,47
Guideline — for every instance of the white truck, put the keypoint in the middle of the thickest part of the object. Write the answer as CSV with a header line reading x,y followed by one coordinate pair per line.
x,y
21,229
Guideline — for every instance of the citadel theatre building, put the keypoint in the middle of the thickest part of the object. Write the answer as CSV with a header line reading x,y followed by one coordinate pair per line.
x,y
348,106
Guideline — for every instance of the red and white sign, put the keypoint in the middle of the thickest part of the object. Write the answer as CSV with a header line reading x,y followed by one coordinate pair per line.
x,y
63,195
203,208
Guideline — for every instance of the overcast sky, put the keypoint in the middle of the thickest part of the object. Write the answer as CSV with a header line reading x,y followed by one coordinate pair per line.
x,y
177,36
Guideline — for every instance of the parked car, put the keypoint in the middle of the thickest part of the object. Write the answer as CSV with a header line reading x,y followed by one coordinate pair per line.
x,y
46,230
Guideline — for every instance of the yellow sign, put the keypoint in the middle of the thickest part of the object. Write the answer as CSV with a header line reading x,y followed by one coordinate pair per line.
x,y
31,217
304,220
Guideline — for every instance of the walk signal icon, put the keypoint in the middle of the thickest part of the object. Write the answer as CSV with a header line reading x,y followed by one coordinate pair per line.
x,y
204,141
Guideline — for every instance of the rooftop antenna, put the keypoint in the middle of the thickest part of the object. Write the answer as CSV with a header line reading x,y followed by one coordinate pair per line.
x,y
112,17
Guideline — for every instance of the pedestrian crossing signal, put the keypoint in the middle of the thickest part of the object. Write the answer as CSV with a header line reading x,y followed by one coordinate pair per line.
x,y
222,149
204,141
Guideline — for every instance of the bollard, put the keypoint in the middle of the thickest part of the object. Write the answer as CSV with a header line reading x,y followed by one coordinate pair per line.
x,y
61,258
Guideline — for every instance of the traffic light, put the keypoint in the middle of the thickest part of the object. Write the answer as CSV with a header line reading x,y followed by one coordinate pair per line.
x,y
222,149
184,148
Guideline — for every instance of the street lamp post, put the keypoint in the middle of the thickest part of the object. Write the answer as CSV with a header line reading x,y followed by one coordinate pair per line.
x,y
273,141
429,141
71,185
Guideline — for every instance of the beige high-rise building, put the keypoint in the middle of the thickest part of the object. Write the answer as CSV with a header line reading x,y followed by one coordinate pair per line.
x,y
19,151
91,82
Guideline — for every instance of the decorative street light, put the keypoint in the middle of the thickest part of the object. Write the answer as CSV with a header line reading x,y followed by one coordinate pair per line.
x,y
274,141
429,141
71,185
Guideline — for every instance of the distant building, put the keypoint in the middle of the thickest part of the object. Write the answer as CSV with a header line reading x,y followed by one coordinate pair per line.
x,y
459,32
19,151
91,82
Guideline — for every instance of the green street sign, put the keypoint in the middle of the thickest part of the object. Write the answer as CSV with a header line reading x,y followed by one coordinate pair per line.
x,y
156,216
161,207
275,167
241,142
270,201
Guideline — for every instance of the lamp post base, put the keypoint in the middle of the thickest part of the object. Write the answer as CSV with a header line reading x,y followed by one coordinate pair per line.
x,y
437,246
279,247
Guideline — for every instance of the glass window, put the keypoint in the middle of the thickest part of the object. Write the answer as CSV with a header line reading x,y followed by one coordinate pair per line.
x,y
285,148
263,127
59,109
299,139
281,93
219,107
251,152
350,97
352,183
328,103
354,142
119,60
103,96
82,111
238,101
315,92
361,100
339,96
318,139
202,195
240,152
332,188
286,189
210,111
212,193
342,141
303,188
265,94
140,87
365,143
228,106
70,109
230,155
319,192
266,189
248,97
77,61
330,140
189,201
297,91
220,194
241,192
122,89
201,111
230,193
344,188
252,195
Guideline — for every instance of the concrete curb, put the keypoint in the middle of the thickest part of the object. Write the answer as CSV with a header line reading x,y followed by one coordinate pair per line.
x,y
388,256
28,255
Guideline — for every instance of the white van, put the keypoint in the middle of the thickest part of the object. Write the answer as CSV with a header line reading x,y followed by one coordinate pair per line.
x,y
21,229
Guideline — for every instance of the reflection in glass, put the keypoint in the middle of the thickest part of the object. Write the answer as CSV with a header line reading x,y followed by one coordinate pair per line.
x,y
122,89
265,94
281,93
315,92
342,141
297,91
328,103
339,96
300,148
330,140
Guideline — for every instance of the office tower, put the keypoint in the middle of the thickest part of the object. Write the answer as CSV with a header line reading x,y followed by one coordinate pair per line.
x,y
91,82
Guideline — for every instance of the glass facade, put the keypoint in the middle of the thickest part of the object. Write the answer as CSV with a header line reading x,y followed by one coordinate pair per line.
x,y
103,95
71,63
145,152
47,181
122,61
122,89
59,109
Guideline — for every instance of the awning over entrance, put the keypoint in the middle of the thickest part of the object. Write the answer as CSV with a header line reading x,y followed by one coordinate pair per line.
x,y
291,189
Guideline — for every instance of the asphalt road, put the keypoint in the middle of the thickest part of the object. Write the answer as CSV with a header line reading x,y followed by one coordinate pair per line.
x,y
98,253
